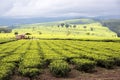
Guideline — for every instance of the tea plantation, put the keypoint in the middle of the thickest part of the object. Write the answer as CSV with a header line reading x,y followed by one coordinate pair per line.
x,y
30,57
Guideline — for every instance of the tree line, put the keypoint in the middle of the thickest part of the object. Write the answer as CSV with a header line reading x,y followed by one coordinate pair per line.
x,y
67,25
74,26
5,30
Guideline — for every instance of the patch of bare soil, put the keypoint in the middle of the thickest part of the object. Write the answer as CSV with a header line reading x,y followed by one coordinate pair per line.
x,y
98,74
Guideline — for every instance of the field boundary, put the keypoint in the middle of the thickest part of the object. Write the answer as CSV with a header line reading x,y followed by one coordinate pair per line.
x,y
97,40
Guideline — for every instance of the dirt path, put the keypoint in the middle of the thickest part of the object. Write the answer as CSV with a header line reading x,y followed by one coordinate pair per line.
x,y
99,74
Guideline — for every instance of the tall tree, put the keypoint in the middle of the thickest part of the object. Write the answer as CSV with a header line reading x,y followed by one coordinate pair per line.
x,y
62,24
16,33
74,26
92,29
67,25
84,27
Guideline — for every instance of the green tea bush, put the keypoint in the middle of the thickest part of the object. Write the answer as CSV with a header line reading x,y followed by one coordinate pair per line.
x,y
6,69
59,68
116,58
84,64
102,61
107,63
29,72
12,58
117,61
31,63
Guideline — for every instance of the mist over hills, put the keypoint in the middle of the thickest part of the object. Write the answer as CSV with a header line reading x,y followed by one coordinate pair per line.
x,y
17,21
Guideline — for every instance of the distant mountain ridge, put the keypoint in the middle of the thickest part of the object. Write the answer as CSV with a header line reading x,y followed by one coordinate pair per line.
x,y
16,21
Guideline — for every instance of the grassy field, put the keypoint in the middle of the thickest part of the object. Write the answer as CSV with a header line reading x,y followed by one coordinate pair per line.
x,y
84,28
53,52
31,57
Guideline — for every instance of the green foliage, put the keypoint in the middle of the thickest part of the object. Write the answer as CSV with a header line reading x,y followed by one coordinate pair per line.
x,y
103,61
67,25
62,24
27,33
84,64
12,58
52,30
74,26
5,30
31,63
30,56
16,33
88,33
30,72
6,40
50,55
6,69
59,68
107,63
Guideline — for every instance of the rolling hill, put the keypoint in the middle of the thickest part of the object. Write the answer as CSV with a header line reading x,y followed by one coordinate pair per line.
x,y
74,28
113,24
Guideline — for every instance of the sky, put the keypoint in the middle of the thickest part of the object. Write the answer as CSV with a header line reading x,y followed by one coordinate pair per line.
x,y
58,8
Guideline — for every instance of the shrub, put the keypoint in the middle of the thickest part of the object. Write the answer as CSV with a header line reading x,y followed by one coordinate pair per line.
x,y
117,61
30,72
84,64
6,69
116,58
102,61
107,63
12,58
59,68
31,63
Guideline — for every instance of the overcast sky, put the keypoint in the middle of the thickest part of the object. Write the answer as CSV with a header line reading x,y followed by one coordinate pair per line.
x,y
58,8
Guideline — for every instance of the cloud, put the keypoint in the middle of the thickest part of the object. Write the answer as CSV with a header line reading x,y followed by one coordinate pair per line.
x,y
5,6
58,8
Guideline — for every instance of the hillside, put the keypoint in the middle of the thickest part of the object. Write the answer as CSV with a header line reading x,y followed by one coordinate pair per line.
x,y
74,28
5,29
113,24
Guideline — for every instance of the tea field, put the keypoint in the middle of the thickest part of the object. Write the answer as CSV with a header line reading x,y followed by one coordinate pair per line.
x,y
29,58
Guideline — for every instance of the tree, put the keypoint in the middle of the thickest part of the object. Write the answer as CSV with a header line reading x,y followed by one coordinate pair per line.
x,y
16,33
62,24
5,30
74,26
28,37
84,27
67,25
58,26
91,29
27,33
88,33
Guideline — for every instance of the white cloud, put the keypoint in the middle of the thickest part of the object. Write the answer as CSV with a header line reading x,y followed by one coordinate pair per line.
x,y
58,8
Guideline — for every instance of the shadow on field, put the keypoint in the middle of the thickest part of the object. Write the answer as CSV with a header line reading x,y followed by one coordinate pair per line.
x,y
98,74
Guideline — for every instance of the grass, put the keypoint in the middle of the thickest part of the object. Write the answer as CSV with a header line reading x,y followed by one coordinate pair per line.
x,y
41,31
